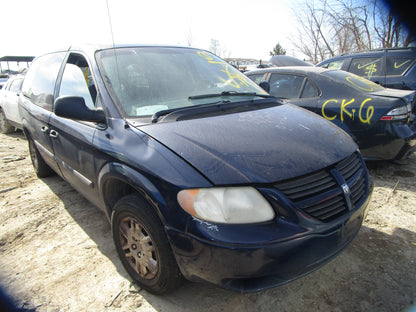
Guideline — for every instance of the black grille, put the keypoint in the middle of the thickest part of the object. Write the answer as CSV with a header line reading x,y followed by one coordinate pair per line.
x,y
321,196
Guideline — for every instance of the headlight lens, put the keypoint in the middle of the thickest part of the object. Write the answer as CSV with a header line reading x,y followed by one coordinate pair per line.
x,y
234,205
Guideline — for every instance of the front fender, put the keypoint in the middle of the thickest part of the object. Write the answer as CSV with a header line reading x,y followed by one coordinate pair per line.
x,y
124,174
116,180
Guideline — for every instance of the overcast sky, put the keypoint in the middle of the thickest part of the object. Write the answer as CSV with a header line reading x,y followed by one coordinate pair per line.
x,y
246,29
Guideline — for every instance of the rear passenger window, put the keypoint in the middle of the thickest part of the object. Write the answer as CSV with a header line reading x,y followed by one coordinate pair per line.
x,y
16,85
366,66
286,86
397,66
39,84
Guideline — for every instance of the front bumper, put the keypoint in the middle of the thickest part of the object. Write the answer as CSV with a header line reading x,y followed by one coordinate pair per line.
x,y
258,266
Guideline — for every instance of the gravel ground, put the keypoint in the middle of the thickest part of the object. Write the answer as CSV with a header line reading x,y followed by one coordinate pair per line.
x,y
57,254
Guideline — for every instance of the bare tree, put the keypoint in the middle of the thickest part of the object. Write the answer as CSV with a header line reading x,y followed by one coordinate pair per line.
x,y
216,48
189,36
331,27
314,33
389,28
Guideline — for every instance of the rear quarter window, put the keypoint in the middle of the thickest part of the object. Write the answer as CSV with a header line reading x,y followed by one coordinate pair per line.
x,y
309,90
40,80
397,66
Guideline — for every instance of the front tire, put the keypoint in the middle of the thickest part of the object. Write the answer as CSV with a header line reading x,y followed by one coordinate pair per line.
x,y
143,247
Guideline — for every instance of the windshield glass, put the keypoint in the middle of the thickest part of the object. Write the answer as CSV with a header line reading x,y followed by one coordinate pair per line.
x,y
357,82
147,80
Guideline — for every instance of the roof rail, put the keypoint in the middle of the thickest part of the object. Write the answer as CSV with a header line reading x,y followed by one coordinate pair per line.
x,y
379,50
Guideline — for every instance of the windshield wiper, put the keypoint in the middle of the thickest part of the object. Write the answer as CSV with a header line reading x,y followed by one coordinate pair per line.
x,y
156,115
228,93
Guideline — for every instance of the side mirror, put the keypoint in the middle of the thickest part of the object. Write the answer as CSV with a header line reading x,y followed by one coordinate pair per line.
x,y
265,85
73,107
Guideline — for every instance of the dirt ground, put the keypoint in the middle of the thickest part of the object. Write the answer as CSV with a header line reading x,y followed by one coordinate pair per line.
x,y
57,254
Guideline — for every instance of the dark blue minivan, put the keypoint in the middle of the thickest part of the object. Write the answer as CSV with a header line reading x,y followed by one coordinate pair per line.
x,y
201,173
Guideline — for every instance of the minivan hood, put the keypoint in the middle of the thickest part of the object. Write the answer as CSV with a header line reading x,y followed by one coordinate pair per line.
x,y
260,146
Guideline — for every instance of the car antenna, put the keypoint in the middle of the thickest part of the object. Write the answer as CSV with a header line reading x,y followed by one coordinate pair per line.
x,y
126,125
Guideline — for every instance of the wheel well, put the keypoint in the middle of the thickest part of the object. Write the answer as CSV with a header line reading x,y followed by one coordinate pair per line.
x,y
115,189
26,133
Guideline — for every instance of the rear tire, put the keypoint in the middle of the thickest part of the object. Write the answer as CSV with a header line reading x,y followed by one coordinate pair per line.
x,y
143,247
5,127
42,170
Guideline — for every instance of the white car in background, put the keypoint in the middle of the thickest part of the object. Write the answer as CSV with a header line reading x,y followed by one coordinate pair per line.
x,y
9,110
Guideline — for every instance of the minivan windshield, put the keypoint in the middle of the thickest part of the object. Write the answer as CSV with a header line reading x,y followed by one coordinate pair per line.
x,y
147,80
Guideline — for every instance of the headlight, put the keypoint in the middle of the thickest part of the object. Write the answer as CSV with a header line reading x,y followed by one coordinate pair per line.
x,y
235,205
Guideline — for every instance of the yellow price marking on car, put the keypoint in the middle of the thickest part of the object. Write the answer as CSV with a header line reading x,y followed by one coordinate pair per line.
x,y
364,118
363,81
401,64
371,69
365,65
86,74
235,79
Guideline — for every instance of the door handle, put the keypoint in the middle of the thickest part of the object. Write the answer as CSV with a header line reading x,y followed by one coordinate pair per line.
x,y
53,134
44,128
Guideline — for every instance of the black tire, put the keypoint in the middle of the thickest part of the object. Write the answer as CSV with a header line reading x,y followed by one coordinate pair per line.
x,y
42,170
5,127
143,247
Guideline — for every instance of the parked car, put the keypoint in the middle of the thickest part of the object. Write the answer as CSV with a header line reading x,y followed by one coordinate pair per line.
x,y
391,68
13,65
287,60
201,173
380,120
9,110
3,80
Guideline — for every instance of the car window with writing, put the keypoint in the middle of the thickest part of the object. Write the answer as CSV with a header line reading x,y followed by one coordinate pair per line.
x,y
366,66
397,66
335,64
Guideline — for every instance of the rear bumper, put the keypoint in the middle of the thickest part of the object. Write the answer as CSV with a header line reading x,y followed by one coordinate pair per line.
x,y
410,142
257,267
395,141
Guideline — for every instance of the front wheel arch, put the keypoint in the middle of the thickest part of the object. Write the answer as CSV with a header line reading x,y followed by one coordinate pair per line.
x,y
117,180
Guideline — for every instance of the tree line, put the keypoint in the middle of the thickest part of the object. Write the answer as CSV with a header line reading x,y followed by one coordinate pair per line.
x,y
327,28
